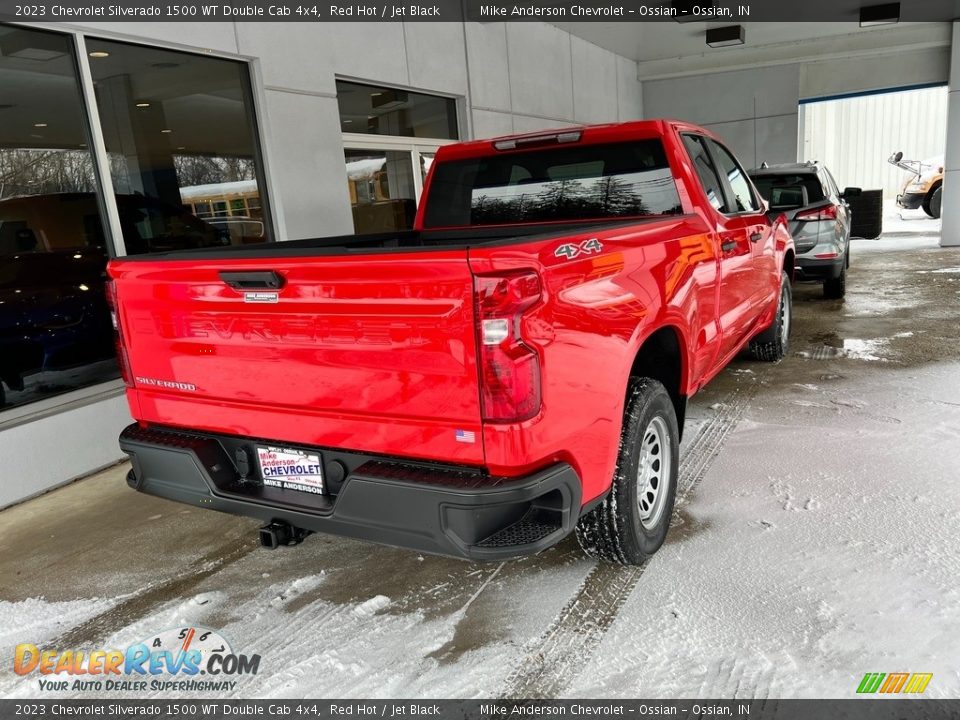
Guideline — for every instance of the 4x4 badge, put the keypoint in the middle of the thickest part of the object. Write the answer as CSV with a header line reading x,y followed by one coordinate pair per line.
x,y
571,251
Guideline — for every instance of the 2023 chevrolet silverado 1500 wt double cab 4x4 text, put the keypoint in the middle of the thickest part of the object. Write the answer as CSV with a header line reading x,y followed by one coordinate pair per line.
x,y
513,369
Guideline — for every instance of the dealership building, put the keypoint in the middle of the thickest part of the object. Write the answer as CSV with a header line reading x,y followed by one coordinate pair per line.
x,y
125,138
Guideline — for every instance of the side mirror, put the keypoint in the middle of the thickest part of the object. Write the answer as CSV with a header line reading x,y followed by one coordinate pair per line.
x,y
852,192
896,157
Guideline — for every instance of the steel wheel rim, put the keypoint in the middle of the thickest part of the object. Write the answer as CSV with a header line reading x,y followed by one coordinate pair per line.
x,y
653,472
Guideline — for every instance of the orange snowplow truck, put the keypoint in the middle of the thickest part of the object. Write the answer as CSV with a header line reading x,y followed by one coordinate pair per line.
x,y
924,187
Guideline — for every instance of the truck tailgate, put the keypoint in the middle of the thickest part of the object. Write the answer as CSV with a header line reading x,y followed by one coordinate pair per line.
x,y
370,353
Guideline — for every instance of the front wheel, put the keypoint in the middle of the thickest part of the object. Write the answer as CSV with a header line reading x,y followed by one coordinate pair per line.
x,y
774,342
631,523
932,206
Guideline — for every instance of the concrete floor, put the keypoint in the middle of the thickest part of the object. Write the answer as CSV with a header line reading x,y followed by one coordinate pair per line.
x,y
345,618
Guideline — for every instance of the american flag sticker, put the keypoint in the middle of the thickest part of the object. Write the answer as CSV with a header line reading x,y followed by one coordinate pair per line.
x,y
466,436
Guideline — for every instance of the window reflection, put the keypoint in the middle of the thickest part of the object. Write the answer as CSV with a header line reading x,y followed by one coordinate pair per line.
x,y
180,135
376,110
55,331
382,193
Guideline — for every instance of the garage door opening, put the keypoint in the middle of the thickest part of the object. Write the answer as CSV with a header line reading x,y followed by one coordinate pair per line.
x,y
856,135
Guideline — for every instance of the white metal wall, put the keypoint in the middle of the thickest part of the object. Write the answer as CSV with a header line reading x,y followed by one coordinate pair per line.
x,y
855,136
754,111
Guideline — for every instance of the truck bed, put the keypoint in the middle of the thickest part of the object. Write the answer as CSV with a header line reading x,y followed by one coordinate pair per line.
x,y
407,240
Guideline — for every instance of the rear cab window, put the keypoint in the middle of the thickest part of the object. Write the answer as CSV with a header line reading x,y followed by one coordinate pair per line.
x,y
559,183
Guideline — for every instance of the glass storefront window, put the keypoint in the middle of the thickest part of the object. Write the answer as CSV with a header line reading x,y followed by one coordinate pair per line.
x,y
382,191
384,183
375,110
181,138
55,331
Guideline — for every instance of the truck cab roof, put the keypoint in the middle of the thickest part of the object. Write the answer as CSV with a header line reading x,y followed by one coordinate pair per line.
x,y
587,134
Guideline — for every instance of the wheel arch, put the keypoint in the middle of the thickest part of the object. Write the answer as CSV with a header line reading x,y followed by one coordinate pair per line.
x,y
790,263
662,357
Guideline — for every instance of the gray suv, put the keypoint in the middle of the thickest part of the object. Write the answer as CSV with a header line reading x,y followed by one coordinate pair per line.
x,y
819,218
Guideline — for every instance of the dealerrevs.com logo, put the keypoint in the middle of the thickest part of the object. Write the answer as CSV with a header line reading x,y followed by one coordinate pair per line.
x,y
190,659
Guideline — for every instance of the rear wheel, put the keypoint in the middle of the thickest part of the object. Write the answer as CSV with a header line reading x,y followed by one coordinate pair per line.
x,y
836,288
774,342
631,523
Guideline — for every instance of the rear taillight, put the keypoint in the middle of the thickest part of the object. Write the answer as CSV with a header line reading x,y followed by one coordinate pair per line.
x,y
122,358
828,213
509,369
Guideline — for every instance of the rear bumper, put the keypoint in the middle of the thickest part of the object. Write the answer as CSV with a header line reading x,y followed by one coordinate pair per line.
x,y
819,270
911,201
460,512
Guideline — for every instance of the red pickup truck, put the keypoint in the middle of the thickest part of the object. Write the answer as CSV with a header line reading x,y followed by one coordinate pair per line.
x,y
511,370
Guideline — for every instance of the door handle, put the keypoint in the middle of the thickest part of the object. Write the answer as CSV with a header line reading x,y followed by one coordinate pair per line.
x,y
756,237
728,245
253,280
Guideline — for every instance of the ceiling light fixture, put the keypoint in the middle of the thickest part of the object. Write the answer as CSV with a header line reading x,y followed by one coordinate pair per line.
x,y
726,36
143,104
165,130
99,54
27,45
886,14
39,124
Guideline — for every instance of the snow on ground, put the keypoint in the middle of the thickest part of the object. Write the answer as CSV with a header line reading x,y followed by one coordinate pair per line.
x,y
41,620
897,221
791,575
371,648
834,556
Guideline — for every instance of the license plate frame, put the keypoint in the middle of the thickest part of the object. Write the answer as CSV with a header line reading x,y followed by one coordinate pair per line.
x,y
287,468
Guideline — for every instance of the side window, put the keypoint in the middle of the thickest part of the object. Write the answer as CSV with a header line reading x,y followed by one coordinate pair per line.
x,y
705,170
824,183
742,192
831,184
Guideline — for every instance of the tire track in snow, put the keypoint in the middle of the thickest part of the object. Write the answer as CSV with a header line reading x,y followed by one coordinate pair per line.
x,y
554,660
146,600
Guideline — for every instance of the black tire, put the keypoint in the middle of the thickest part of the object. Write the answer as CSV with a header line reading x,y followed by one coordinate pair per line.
x,y
625,528
836,288
931,206
773,343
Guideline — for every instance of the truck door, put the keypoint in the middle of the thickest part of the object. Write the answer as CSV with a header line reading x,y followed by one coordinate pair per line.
x,y
735,297
745,212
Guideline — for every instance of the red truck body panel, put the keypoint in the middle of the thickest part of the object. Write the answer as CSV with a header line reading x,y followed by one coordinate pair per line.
x,y
377,351
383,360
